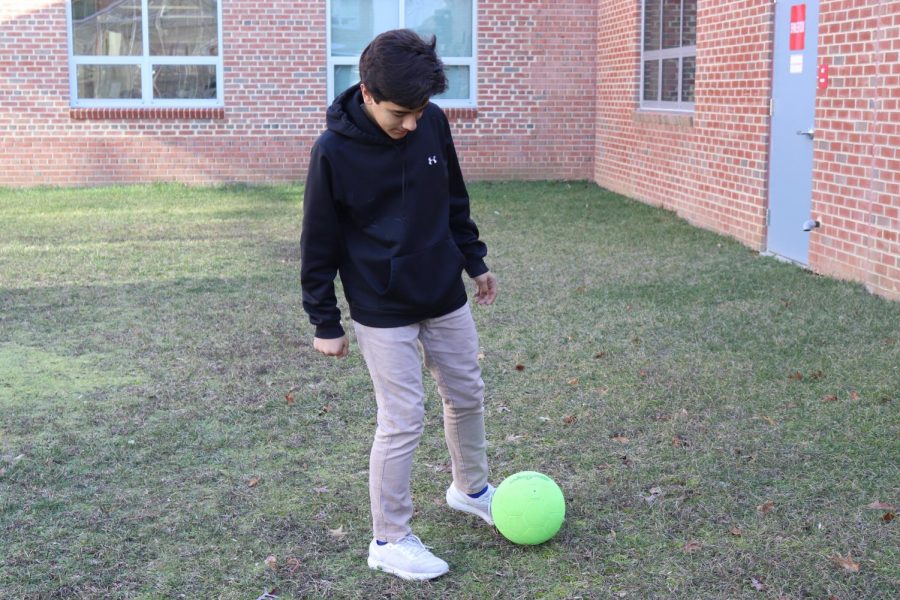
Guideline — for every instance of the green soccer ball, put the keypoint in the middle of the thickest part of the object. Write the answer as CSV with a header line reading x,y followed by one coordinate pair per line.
x,y
528,508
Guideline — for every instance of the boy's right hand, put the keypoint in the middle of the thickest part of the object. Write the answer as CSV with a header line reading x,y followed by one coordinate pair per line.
x,y
339,347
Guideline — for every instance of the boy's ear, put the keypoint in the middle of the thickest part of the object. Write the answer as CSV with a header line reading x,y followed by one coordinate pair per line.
x,y
367,97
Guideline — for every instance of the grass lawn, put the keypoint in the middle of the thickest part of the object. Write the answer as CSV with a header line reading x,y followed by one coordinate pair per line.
x,y
723,425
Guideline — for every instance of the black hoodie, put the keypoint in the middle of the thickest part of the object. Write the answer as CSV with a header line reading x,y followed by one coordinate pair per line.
x,y
391,216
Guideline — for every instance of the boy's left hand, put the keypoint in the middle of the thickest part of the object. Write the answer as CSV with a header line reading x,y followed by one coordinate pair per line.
x,y
485,288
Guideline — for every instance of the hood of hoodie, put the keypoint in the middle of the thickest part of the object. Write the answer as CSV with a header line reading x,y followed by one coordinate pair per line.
x,y
346,116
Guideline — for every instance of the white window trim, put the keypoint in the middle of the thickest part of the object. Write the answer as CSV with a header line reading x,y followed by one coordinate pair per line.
x,y
146,62
449,61
680,52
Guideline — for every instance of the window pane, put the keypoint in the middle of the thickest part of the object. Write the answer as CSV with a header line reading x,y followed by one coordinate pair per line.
x,y
458,80
183,28
688,68
107,27
449,20
689,30
651,80
671,24
355,22
109,81
344,77
651,24
669,80
193,82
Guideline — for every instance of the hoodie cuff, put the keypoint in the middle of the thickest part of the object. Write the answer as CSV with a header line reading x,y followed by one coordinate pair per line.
x,y
329,331
476,267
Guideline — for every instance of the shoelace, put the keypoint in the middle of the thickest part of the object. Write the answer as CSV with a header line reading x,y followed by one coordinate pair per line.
x,y
412,545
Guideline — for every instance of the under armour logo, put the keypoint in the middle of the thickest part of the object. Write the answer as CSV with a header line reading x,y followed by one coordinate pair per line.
x,y
432,160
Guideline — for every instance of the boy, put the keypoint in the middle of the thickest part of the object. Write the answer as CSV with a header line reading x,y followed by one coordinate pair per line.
x,y
386,207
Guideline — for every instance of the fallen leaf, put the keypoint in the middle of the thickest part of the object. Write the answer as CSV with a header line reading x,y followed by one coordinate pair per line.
x,y
600,354
854,395
691,546
757,584
338,533
573,381
848,564
619,438
829,398
569,419
766,507
272,562
796,376
293,564
325,409
254,481
881,506
888,517
817,375
642,372
520,367
770,420
581,289
289,398
679,441
736,531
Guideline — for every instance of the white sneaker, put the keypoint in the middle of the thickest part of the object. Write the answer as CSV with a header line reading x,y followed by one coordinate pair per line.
x,y
407,558
480,506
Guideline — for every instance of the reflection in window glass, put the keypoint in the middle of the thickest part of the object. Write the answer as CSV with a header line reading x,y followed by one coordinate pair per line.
x,y
184,81
651,80
458,83
107,27
183,27
669,88
109,81
451,24
689,30
688,69
671,23
669,52
344,77
651,24
355,22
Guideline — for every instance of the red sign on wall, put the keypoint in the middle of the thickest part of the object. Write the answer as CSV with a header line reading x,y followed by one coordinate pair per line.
x,y
798,26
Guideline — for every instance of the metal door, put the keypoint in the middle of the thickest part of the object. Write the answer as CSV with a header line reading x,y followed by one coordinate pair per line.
x,y
793,112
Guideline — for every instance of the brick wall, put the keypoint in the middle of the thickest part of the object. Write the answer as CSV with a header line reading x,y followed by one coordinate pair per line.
x,y
534,118
709,167
856,193
712,167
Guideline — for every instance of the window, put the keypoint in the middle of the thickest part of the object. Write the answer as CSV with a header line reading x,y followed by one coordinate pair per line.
x,y
669,54
133,53
353,24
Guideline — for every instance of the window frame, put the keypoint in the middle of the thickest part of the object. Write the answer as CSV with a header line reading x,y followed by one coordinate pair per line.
x,y
146,62
680,52
449,61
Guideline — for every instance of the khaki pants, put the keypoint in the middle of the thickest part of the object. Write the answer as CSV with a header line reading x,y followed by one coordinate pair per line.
x,y
449,345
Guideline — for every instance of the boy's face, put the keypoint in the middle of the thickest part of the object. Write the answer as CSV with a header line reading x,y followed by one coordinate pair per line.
x,y
395,120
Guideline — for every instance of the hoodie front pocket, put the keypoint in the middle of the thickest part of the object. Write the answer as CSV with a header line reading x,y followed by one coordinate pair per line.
x,y
425,278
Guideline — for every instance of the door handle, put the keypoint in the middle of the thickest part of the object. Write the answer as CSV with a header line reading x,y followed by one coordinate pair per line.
x,y
810,132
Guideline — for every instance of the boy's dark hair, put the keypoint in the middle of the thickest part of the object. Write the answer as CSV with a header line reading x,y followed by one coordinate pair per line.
x,y
401,67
